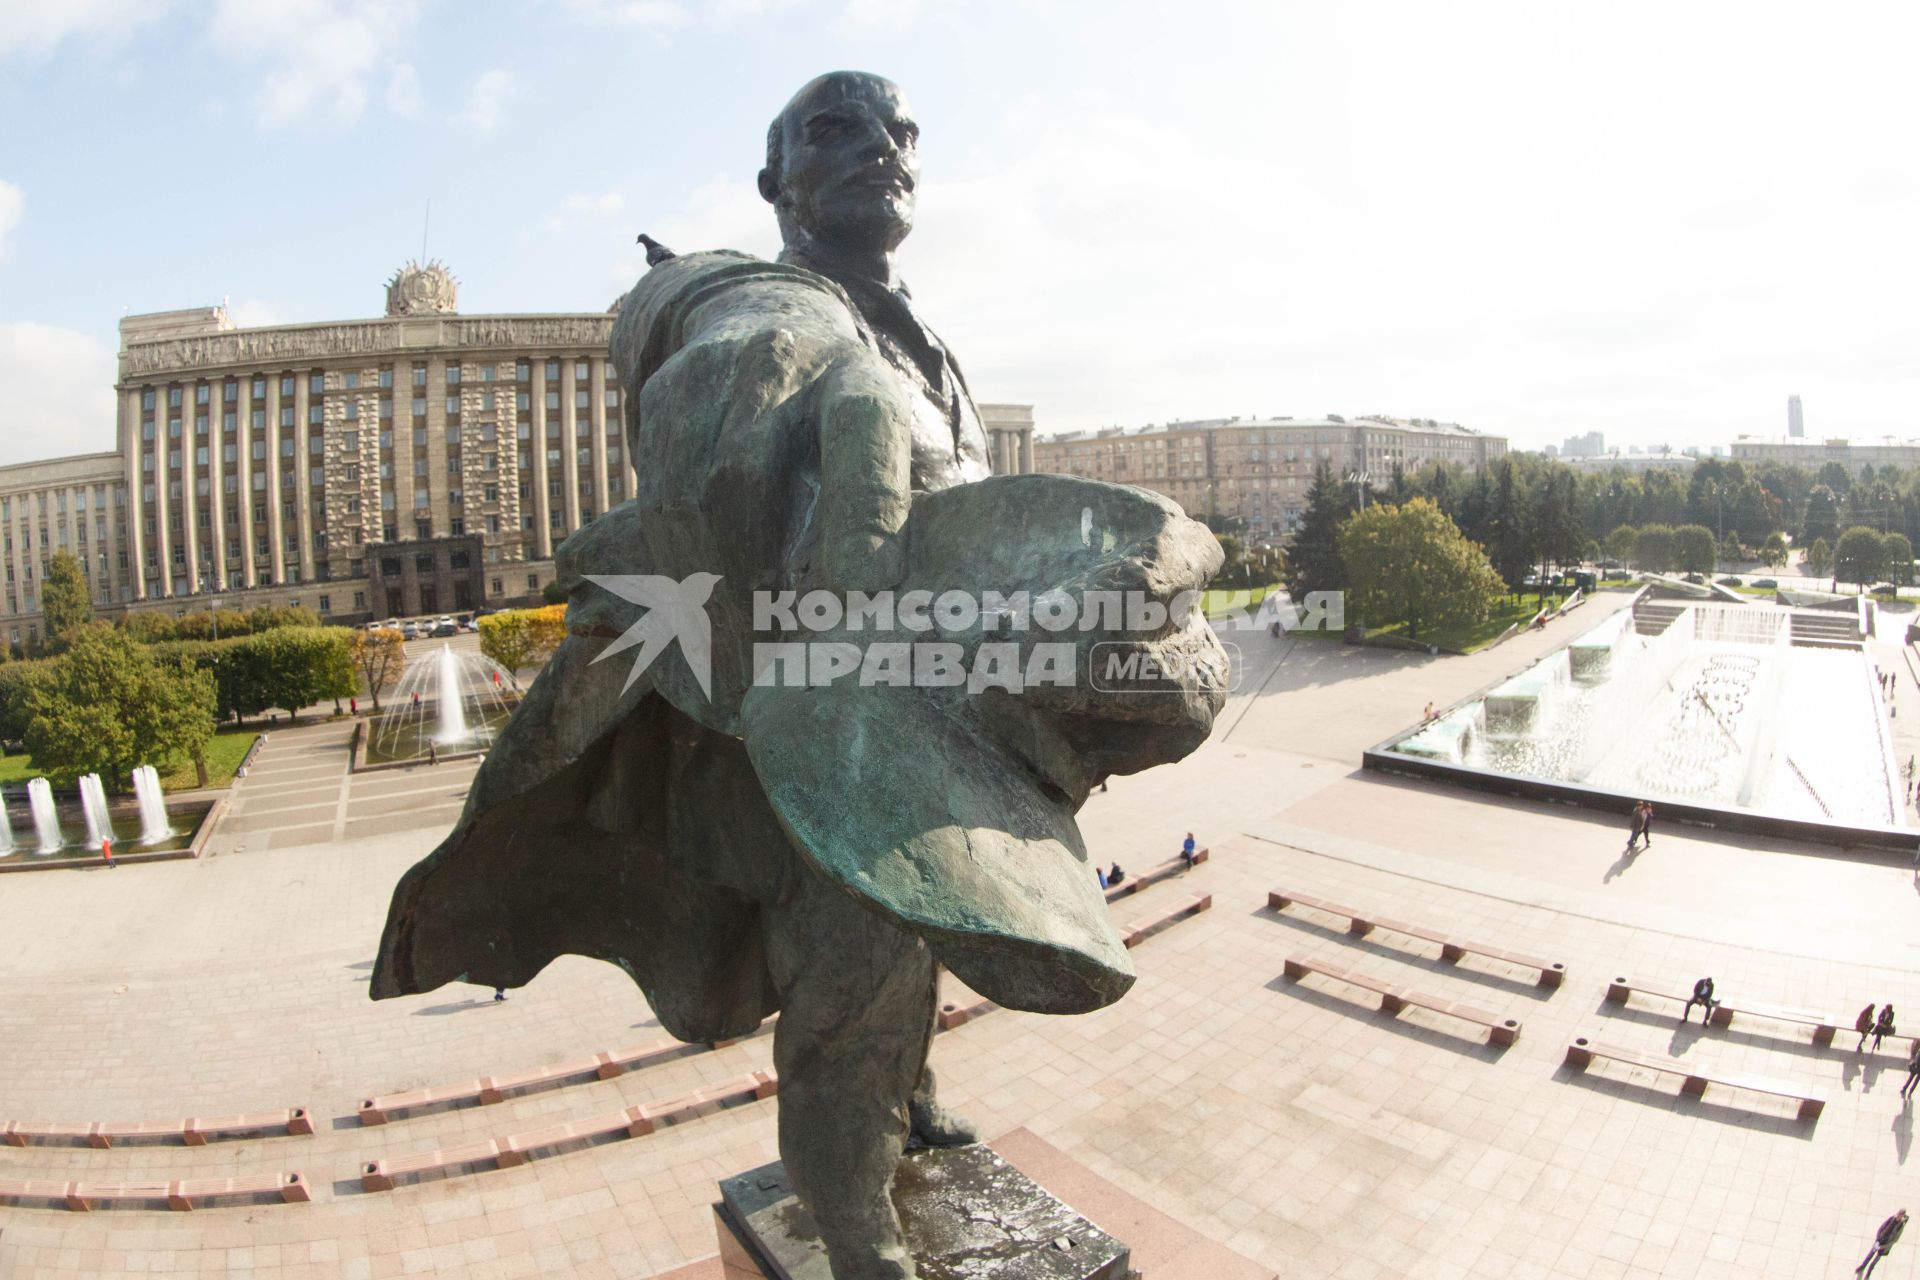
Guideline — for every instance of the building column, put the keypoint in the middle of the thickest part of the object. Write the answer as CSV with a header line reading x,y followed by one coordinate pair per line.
x,y
1026,450
541,506
439,511
136,492
243,453
275,542
597,428
302,473
569,444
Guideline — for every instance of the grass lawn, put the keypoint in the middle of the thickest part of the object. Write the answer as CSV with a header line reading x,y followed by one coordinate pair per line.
x,y
1466,639
1221,599
224,754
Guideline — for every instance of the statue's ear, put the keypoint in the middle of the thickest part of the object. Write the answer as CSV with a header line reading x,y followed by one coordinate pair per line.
x,y
769,187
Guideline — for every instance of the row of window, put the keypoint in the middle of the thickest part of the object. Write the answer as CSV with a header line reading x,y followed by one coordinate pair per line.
x,y
350,381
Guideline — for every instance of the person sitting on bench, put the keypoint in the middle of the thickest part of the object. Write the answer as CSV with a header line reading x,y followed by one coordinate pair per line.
x,y
1703,996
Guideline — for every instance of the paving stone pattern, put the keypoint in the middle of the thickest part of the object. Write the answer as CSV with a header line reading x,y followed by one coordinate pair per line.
x,y
1287,1120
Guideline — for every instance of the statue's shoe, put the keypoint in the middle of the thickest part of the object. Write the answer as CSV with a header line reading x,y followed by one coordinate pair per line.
x,y
935,1126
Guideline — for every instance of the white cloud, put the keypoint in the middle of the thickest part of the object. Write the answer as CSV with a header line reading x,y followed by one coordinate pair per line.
x,y
578,207
403,89
314,56
252,313
891,15
59,392
12,208
487,100
656,15
35,26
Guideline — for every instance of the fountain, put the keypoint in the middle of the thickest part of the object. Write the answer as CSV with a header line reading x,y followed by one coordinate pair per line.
x,y
93,806
452,699
6,829
46,821
153,806
1719,708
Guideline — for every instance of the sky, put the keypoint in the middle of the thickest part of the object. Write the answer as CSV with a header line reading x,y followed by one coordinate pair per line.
x,y
1653,220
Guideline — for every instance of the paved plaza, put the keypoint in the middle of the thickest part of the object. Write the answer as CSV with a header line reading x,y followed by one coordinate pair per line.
x,y
1289,1121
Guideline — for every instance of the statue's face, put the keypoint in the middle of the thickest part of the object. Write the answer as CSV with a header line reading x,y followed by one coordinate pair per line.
x,y
850,162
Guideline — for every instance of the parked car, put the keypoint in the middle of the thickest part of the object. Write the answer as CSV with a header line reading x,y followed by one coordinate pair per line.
x,y
443,628
1885,589
470,624
1728,581
1769,583
410,631
1695,578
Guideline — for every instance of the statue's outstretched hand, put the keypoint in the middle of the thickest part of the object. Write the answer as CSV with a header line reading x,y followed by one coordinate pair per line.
x,y
865,472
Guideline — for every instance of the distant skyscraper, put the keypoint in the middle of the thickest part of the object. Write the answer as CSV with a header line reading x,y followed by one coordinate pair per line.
x,y
1795,426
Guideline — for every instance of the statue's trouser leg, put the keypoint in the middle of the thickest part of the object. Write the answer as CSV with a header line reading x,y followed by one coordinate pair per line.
x,y
856,1019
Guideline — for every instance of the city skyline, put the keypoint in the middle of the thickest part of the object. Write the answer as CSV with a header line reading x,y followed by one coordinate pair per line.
x,y
1529,225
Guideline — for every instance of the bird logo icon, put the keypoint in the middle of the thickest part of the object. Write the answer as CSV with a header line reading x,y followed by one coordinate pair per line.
x,y
675,610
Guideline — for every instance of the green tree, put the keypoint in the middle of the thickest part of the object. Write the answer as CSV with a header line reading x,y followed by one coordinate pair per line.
x,y
1693,548
1313,558
1857,558
1773,552
1558,536
1896,559
1508,545
1819,558
1731,552
65,603
1233,560
1623,543
1822,518
15,680
1654,549
149,626
1410,564
379,654
108,705
519,638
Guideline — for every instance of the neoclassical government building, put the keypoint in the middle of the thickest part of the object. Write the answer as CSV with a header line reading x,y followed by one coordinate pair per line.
x,y
419,463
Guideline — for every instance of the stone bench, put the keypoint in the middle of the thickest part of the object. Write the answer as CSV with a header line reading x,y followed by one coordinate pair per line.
x,y
1722,1013
953,1015
517,1149
1167,870
1453,949
180,1194
1393,998
1135,931
1694,1078
195,1131
487,1090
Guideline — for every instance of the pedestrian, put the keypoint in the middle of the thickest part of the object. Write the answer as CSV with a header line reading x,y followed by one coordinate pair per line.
x,y
1639,826
1913,1072
106,849
1883,1241
1646,824
353,706
1883,1026
1702,996
1428,713
416,699
499,994
1864,1025
1115,875
1186,851
433,753
1100,875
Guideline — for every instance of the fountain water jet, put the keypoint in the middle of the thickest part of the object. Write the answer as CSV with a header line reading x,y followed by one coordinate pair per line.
x,y
153,805
450,698
6,830
46,820
93,807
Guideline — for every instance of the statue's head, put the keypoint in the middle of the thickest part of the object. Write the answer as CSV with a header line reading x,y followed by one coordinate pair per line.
x,y
842,163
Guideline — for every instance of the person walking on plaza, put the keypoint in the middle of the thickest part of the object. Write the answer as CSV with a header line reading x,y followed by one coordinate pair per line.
x,y
1642,816
1186,851
1702,996
1883,1241
106,850
1913,1073
1883,1027
1864,1025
